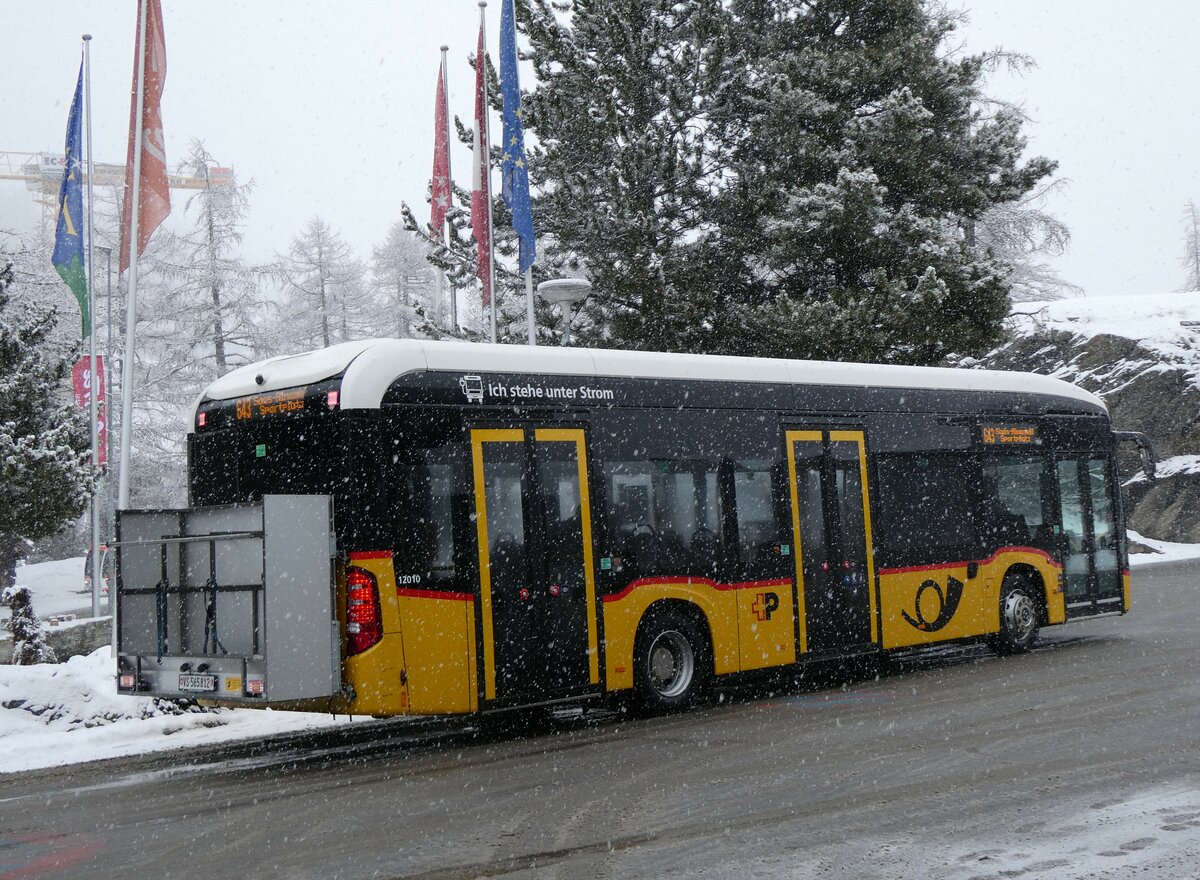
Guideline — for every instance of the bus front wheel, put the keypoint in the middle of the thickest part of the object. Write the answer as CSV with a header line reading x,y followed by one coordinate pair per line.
x,y
1019,617
671,661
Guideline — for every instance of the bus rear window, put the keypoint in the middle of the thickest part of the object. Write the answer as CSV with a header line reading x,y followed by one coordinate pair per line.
x,y
303,456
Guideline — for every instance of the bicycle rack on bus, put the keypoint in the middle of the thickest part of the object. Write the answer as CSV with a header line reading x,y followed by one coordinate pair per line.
x,y
233,603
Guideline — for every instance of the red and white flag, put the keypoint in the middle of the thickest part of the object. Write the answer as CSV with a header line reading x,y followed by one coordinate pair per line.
x,y
82,385
481,179
440,185
154,198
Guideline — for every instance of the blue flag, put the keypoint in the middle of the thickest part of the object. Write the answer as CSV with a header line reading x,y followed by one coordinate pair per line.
x,y
68,237
513,172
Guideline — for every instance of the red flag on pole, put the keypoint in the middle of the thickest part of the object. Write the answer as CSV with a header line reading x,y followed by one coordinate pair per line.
x,y
440,185
154,199
481,184
82,385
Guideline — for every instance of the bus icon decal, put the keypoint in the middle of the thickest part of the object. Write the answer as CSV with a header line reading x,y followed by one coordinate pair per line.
x,y
472,387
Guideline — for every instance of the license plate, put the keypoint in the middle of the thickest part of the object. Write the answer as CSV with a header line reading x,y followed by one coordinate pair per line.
x,y
197,682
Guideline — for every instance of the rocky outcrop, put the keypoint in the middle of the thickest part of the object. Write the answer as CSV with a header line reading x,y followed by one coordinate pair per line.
x,y
1145,391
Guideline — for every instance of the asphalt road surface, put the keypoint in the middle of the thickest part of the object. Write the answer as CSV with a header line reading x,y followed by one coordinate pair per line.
x,y
1078,760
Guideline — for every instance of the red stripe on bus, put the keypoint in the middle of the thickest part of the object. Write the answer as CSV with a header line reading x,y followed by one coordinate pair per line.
x,y
355,555
434,594
703,581
943,565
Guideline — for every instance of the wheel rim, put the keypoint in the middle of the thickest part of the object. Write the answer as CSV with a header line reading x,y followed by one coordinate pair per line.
x,y
671,664
1020,616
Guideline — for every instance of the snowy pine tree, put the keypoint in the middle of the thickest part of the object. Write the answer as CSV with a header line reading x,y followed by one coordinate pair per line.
x,y
862,146
45,473
625,160
773,177
28,637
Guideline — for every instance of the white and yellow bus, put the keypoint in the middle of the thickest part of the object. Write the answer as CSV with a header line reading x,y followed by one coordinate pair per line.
x,y
516,526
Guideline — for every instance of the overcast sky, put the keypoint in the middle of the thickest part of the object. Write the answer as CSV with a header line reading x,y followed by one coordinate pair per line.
x,y
328,107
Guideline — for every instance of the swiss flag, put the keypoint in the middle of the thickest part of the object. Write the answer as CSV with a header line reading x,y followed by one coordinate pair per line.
x,y
440,185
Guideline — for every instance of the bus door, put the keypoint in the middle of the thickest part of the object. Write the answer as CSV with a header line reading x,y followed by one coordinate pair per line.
x,y
536,580
1089,545
831,526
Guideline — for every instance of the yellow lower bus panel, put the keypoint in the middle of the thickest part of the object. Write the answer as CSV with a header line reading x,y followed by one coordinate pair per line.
x,y
922,605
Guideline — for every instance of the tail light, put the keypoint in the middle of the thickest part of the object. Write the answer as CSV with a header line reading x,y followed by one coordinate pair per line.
x,y
364,618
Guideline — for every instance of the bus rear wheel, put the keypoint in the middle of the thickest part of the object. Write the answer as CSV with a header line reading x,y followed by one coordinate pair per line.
x,y
671,661
1020,617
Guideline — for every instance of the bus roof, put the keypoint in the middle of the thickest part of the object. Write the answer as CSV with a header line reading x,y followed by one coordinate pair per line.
x,y
370,366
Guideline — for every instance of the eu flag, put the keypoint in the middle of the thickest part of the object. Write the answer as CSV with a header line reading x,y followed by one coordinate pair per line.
x,y
68,238
513,172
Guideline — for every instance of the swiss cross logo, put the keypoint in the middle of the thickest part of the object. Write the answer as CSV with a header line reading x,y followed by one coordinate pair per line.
x,y
765,604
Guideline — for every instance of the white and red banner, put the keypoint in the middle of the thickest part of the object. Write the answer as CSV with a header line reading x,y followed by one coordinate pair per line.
x,y
82,384
481,182
439,188
154,197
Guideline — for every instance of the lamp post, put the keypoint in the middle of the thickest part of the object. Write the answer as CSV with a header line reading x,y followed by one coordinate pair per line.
x,y
566,292
109,506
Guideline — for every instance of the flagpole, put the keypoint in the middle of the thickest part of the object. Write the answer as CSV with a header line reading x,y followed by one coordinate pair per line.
x,y
513,171
131,300
93,384
529,304
487,167
447,284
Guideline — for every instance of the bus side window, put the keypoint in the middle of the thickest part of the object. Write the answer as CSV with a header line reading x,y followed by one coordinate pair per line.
x,y
423,504
1012,506
759,550
665,517
923,512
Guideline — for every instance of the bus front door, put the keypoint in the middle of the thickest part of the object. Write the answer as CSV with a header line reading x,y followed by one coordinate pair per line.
x,y
1089,545
835,566
536,577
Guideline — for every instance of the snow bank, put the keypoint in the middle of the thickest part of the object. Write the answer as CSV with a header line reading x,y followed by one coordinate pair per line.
x,y
1164,551
65,713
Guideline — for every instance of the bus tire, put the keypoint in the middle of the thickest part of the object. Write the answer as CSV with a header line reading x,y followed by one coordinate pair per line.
x,y
1020,617
672,661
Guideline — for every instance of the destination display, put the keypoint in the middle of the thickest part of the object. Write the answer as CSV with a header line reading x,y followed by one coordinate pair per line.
x,y
1009,435
271,404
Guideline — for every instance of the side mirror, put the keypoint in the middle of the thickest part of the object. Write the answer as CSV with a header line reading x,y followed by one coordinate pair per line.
x,y
1145,449
1147,462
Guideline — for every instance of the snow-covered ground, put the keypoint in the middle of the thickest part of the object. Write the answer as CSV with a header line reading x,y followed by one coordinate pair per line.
x,y
64,713
57,587
69,712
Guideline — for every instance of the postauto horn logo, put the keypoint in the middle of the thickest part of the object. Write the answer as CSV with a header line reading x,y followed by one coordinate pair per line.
x,y
947,604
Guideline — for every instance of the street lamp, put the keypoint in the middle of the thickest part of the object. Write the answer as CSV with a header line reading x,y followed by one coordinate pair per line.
x,y
566,292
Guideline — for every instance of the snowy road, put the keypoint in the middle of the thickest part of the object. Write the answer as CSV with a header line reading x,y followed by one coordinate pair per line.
x,y
1081,760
